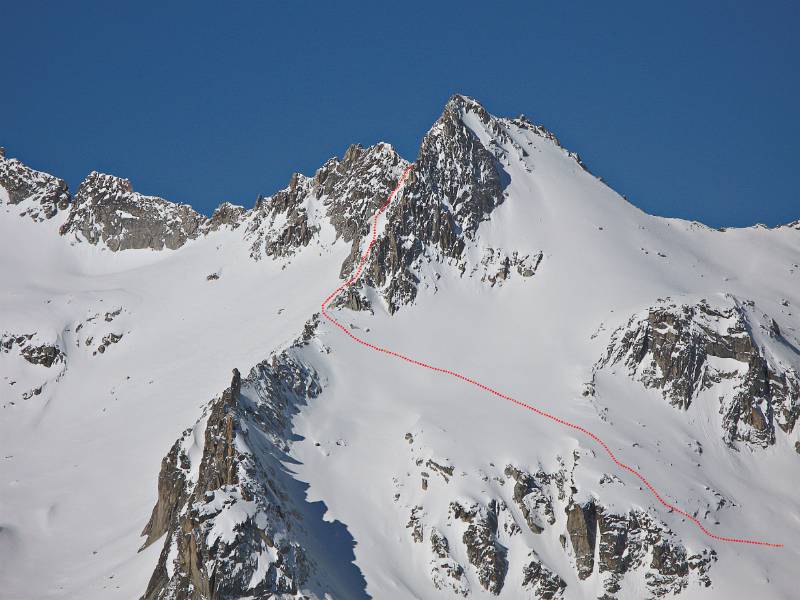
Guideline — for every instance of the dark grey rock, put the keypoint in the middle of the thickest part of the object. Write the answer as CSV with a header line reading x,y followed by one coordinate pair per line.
x,y
541,581
582,528
484,552
446,573
44,355
534,504
350,190
232,475
455,184
37,195
107,210
226,215
670,348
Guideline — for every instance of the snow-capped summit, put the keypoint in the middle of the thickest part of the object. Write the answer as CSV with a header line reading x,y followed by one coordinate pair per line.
x,y
136,465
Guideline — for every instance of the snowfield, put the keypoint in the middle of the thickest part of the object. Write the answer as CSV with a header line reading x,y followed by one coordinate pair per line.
x,y
388,452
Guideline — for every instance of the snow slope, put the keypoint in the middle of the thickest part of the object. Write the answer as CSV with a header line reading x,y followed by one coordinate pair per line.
x,y
80,459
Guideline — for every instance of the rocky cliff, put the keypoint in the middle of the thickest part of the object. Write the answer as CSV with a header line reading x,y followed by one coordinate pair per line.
x,y
107,209
710,351
229,526
32,193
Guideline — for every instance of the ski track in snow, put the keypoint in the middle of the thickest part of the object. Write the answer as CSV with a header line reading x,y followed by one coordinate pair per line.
x,y
357,274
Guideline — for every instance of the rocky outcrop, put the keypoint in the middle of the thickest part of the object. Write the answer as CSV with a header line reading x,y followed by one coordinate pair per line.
x,y
631,541
45,354
343,193
497,266
582,527
34,194
480,540
357,186
686,349
533,502
446,573
230,528
605,545
107,210
455,184
226,215
43,350
108,340
541,582
172,489
279,225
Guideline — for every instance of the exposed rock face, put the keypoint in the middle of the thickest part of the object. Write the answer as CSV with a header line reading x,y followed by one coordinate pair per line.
x,y
44,354
686,349
35,194
106,209
629,542
226,215
230,527
358,185
581,527
45,351
446,573
280,224
533,502
344,193
480,539
602,543
172,489
540,581
455,184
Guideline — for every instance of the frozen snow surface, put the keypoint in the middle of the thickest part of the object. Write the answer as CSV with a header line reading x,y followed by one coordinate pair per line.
x,y
337,471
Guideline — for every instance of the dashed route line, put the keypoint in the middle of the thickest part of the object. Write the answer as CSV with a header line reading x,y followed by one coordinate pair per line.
x,y
357,274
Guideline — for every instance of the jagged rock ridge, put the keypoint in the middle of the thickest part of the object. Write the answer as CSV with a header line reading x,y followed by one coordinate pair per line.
x,y
344,193
35,194
106,209
231,528
685,350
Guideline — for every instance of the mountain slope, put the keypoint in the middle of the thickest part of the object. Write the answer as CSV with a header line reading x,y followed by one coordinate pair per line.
x,y
500,257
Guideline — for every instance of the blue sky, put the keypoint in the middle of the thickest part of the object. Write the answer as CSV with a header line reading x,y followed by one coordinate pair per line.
x,y
688,108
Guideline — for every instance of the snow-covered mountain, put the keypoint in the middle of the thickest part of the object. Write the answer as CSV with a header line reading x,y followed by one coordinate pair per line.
x,y
179,421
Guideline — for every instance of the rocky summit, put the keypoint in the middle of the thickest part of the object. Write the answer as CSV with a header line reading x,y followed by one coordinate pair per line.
x,y
179,420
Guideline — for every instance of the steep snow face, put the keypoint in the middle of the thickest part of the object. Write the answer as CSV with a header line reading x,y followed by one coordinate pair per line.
x,y
501,258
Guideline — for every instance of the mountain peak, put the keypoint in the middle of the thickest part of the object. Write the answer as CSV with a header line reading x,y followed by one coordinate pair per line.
x,y
463,102
102,187
458,106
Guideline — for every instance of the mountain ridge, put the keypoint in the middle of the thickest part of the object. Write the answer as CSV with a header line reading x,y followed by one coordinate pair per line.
x,y
501,257
12,171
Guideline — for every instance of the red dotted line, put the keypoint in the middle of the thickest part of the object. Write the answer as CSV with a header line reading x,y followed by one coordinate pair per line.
x,y
494,392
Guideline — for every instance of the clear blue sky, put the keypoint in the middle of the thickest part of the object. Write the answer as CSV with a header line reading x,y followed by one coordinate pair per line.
x,y
688,108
